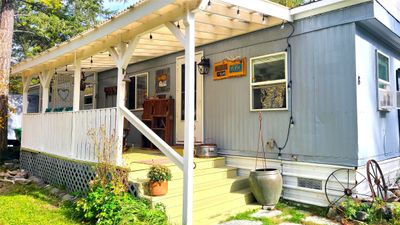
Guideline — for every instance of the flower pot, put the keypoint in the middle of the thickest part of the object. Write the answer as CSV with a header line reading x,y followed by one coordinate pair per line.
x,y
266,186
158,188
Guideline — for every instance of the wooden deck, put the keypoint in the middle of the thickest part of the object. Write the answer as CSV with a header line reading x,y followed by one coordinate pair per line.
x,y
218,191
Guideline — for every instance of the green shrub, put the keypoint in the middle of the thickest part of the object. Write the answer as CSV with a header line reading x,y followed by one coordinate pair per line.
x,y
159,173
104,206
379,212
107,202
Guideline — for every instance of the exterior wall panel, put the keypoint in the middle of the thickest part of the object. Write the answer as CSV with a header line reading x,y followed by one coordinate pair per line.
x,y
324,95
378,131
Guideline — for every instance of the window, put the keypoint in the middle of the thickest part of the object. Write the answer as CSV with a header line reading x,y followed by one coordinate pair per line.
x,y
268,82
385,98
383,71
88,94
137,91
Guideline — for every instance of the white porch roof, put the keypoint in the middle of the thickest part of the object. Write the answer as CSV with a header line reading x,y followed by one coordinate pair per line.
x,y
214,22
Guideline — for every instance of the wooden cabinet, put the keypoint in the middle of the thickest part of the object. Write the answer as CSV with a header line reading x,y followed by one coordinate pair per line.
x,y
158,114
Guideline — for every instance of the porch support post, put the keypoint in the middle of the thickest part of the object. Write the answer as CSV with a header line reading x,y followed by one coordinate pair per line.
x,y
45,79
77,84
25,88
121,55
189,118
95,85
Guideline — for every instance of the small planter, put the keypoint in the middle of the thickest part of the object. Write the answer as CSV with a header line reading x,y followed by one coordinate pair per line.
x,y
266,186
159,176
158,188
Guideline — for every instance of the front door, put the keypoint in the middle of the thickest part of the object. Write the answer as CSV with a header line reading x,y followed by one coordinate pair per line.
x,y
180,101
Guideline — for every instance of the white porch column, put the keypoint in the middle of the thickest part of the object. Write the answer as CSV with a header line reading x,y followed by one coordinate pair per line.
x,y
77,84
121,55
25,88
45,79
189,22
95,85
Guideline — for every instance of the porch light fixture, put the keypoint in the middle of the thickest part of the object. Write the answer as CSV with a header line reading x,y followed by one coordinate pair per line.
x,y
204,65
126,77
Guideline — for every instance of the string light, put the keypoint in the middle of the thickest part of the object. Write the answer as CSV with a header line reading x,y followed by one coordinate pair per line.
x,y
238,12
66,68
209,4
178,26
55,71
91,59
263,19
151,36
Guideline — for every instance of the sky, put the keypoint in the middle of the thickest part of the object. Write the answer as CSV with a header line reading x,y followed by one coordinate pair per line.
x,y
118,4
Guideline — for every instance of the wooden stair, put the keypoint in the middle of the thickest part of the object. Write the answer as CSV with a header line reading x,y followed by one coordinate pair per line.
x,y
218,192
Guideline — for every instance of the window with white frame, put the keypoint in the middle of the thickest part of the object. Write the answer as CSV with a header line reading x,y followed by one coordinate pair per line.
x,y
268,82
385,98
137,91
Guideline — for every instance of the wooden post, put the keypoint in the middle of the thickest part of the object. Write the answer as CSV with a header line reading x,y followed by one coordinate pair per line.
x,y
77,85
25,88
95,85
189,119
45,79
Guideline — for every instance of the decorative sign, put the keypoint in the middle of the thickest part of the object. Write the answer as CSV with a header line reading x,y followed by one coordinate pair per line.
x,y
230,68
162,80
63,93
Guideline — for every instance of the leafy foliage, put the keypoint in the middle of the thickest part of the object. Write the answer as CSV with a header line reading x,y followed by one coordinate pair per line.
x,y
40,25
289,3
159,173
104,205
379,212
107,202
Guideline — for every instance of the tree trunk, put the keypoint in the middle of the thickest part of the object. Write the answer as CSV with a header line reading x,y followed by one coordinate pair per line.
x,y
6,34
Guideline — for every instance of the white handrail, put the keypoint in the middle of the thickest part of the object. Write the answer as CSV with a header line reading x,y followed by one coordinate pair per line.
x,y
153,137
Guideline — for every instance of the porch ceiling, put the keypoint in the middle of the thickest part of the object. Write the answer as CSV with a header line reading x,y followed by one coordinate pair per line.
x,y
219,20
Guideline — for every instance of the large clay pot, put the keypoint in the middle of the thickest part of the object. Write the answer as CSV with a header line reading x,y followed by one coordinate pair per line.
x,y
266,186
158,188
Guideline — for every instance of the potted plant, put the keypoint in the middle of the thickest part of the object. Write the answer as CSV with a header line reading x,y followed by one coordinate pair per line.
x,y
159,176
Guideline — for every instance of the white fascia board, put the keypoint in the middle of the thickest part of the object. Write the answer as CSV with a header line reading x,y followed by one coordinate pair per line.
x,y
264,7
111,26
322,7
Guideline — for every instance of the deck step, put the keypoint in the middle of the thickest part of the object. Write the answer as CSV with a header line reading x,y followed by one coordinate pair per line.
x,y
217,191
213,206
174,197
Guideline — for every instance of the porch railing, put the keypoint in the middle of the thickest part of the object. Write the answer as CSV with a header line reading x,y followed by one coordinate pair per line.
x,y
65,134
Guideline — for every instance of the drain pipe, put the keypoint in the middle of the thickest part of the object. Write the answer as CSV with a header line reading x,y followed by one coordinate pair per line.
x,y
398,111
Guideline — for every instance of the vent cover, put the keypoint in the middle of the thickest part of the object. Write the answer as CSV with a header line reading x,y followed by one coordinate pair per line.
x,y
309,183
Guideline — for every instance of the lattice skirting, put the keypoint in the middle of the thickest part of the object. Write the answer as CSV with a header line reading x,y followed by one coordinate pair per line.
x,y
72,175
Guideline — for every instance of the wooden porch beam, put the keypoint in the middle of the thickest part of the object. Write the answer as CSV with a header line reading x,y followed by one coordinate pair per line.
x,y
264,7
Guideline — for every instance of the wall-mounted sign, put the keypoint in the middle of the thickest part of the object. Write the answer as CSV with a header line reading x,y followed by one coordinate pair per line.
x,y
162,80
230,68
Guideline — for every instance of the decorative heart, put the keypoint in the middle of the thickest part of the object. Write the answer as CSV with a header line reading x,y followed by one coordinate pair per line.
x,y
63,93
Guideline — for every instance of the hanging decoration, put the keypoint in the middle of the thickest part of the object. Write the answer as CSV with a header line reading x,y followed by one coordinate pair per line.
x,y
162,80
230,68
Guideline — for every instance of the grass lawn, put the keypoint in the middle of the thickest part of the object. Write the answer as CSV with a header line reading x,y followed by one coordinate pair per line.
x,y
291,213
29,204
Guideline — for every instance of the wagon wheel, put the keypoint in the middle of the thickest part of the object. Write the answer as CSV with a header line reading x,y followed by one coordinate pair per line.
x,y
340,185
376,180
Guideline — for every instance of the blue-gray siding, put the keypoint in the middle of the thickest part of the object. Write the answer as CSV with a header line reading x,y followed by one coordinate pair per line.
x,y
324,90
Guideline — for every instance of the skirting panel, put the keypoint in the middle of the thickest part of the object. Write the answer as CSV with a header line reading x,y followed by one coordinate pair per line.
x,y
72,175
